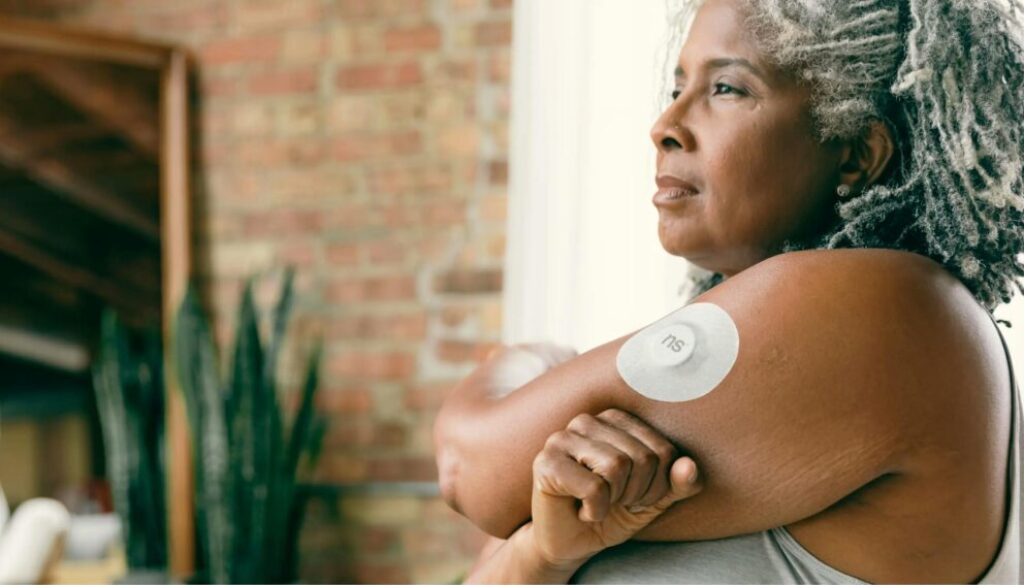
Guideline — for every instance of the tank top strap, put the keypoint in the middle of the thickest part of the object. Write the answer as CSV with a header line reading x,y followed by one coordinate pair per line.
x,y
1006,350
1007,567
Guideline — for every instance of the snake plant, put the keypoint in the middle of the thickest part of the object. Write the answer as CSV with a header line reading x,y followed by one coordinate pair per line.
x,y
129,391
246,457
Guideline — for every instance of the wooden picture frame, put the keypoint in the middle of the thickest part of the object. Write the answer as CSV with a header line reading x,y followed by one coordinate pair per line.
x,y
172,64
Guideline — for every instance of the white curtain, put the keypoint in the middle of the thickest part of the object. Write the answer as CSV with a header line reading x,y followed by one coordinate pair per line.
x,y
584,262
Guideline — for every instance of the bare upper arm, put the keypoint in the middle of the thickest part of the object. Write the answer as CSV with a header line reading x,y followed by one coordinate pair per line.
x,y
819,402
822,399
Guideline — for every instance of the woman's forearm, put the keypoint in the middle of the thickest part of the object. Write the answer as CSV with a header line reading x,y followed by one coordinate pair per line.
x,y
485,444
518,560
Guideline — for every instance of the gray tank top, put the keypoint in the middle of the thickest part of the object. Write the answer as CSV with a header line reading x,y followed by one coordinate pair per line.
x,y
774,556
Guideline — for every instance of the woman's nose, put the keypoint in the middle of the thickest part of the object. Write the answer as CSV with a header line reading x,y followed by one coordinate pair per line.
x,y
670,131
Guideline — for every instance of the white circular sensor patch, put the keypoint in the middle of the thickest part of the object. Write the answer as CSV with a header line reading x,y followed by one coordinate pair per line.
x,y
683,356
672,345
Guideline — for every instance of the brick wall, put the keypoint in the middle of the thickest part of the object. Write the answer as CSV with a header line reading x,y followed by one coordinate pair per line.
x,y
365,142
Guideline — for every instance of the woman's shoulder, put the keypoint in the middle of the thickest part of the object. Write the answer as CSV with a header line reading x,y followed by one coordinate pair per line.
x,y
893,328
866,273
891,297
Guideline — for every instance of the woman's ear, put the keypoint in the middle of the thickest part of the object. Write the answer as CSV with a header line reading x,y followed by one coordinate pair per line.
x,y
866,158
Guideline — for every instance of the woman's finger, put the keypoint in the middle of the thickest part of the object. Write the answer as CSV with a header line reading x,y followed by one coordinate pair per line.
x,y
644,462
665,451
685,481
557,474
612,465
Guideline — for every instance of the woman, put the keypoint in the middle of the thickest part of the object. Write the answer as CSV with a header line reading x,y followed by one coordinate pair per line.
x,y
851,173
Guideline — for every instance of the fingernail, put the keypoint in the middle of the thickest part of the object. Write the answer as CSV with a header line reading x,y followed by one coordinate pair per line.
x,y
636,509
693,473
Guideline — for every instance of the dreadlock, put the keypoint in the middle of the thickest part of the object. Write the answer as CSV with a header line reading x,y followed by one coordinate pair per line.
x,y
947,77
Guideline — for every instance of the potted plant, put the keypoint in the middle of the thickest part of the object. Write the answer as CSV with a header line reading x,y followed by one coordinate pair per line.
x,y
246,455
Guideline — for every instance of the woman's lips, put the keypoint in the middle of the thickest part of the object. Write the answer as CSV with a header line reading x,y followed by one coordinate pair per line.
x,y
673,190
670,196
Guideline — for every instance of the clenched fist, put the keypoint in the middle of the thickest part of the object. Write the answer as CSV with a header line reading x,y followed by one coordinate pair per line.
x,y
601,480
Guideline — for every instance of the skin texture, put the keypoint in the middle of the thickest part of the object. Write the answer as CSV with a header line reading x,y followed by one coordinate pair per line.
x,y
866,411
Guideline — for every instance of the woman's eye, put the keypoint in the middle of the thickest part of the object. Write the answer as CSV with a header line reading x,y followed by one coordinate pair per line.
x,y
719,89
726,89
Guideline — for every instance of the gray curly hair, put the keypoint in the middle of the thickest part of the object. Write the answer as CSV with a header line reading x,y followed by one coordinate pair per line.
x,y
947,77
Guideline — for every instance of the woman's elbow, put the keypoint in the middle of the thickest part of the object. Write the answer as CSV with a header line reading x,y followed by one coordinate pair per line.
x,y
480,511
447,477
450,461
475,504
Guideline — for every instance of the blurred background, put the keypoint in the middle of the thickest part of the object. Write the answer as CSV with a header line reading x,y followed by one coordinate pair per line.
x,y
369,144
362,142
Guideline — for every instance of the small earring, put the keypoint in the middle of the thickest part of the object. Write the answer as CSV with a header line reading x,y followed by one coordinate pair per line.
x,y
843,191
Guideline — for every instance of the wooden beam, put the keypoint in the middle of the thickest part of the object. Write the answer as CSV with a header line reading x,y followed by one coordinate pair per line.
x,y
58,177
9,65
99,161
42,141
105,98
73,275
175,211
50,295
132,264
81,43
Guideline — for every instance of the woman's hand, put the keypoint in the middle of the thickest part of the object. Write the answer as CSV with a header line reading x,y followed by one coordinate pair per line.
x,y
596,484
600,481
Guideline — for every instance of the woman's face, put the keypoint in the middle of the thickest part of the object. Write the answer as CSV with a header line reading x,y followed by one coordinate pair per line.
x,y
740,170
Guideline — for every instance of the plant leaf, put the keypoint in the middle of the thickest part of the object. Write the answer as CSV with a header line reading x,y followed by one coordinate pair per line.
x,y
197,370
107,383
